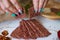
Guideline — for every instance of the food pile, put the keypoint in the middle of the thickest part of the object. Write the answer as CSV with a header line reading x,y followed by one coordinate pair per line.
x,y
4,35
52,8
56,11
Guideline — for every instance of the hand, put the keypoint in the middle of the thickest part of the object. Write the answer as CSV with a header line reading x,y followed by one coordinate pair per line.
x,y
39,4
12,7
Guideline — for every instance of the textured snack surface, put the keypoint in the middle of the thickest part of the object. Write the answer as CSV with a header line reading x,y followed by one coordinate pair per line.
x,y
30,29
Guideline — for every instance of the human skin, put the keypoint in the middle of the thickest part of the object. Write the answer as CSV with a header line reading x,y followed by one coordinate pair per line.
x,y
35,4
12,7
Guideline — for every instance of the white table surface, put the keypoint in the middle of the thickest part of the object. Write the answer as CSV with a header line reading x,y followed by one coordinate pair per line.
x,y
52,25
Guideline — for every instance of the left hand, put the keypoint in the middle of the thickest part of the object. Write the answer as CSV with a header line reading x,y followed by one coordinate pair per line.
x,y
12,7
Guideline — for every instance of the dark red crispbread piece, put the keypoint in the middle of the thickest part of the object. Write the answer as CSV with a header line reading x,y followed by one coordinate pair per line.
x,y
33,29
31,13
30,29
25,30
39,26
31,33
17,33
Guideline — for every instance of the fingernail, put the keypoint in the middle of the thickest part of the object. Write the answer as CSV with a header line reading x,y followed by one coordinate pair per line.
x,y
20,11
7,13
35,11
42,9
13,15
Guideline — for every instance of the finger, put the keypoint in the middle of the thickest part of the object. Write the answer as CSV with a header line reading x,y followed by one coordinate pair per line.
x,y
41,2
9,6
45,2
1,11
35,4
3,7
17,5
23,15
